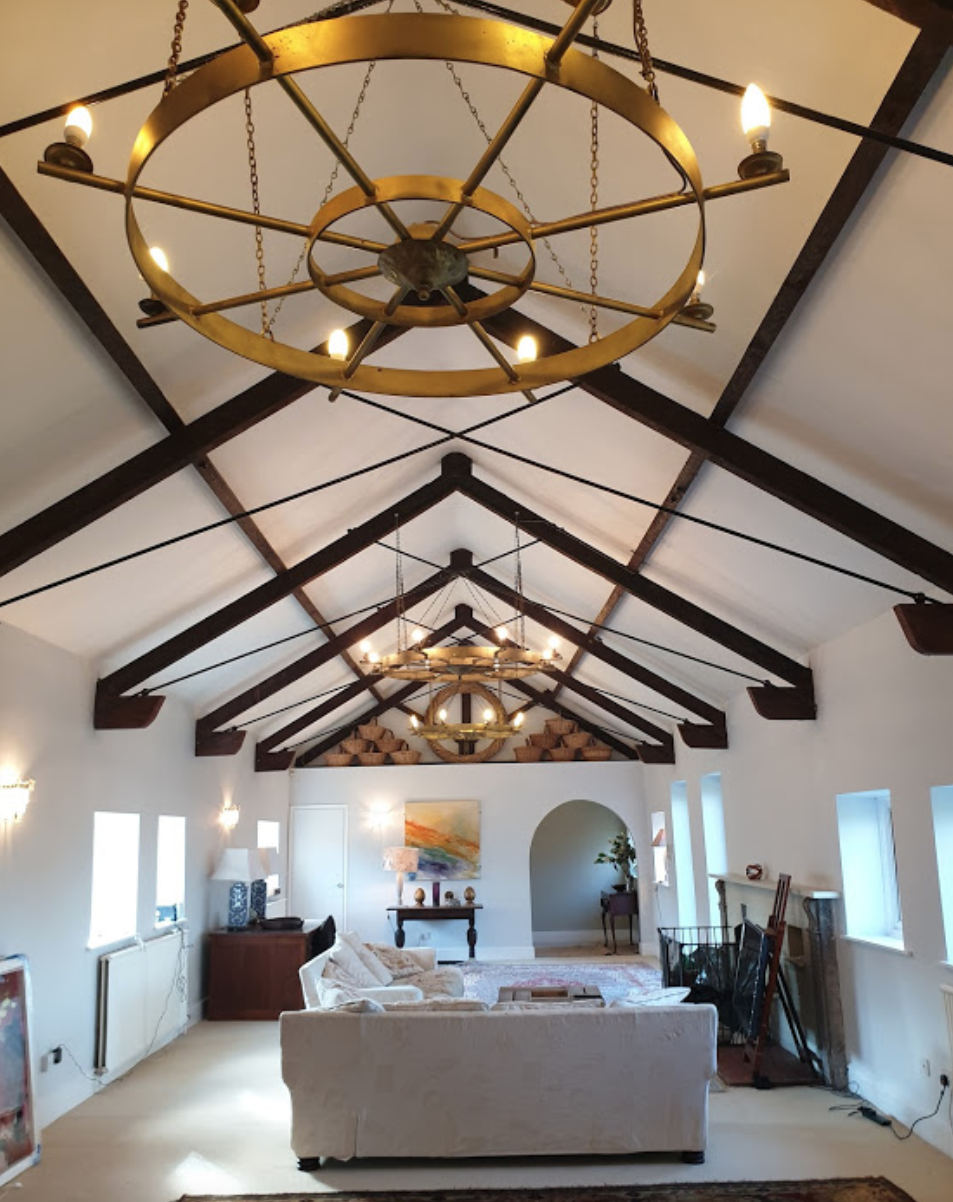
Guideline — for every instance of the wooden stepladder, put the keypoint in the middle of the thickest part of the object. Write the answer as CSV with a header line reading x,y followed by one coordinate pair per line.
x,y
775,933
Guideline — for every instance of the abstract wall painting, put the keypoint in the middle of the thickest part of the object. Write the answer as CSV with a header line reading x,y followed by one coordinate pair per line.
x,y
447,835
19,1139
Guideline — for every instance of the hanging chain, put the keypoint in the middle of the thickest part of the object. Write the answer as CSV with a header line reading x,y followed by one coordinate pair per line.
x,y
259,238
642,45
594,198
176,47
520,616
399,588
334,173
503,167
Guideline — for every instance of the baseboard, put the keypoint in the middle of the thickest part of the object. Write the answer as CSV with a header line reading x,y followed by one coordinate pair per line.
x,y
903,1110
567,938
486,953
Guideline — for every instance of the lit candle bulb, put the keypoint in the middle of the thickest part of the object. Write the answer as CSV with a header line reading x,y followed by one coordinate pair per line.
x,y
70,153
442,715
416,635
365,646
414,721
553,641
526,350
756,121
78,126
337,344
488,715
502,632
518,720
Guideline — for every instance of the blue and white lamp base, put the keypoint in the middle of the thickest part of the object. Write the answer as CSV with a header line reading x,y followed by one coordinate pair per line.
x,y
258,900
238,906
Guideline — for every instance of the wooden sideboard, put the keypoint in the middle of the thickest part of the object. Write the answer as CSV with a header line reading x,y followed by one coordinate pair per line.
x,y
253,974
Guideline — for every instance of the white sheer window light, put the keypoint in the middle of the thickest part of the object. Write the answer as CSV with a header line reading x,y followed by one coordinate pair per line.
x,y
869,867
269,834
115,878
684,859
170,870
943,838
659,848
716,850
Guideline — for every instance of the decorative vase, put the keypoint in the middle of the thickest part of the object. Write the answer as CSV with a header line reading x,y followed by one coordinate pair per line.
x,y
419,897
436,893
469,895
237,906
257,900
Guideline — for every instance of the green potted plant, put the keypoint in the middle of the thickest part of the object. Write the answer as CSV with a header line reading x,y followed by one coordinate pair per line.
x,y
621,855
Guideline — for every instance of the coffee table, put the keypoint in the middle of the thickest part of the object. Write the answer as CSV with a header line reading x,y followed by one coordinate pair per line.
x,y
546,994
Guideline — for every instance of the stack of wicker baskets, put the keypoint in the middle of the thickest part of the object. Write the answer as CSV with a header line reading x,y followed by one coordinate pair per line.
x,y
371,746
560,741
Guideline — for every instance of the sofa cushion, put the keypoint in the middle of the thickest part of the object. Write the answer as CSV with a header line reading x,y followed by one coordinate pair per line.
x,y
398,962
446,981
551,1007
374,965
436,1004
345,967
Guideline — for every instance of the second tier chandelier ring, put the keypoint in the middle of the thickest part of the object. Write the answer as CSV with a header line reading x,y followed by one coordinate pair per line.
x,y
426,263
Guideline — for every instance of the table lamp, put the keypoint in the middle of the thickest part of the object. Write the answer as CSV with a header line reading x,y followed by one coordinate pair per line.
x,y
242,866
401,860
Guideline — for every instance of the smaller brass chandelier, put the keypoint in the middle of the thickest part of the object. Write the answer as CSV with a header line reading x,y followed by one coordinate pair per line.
x,y
462,664
490,728
466,741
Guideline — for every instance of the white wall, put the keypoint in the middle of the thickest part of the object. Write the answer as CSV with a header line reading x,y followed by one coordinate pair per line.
x,y
883,723
46,733
514,799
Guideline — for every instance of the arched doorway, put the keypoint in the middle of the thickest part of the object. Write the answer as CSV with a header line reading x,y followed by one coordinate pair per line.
x,y
565,881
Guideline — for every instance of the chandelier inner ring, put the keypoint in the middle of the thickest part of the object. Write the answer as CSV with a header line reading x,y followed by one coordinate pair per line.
x,y
416,188
414,37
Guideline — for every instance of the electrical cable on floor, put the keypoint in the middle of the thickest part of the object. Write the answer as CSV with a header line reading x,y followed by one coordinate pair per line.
x,y
943,1088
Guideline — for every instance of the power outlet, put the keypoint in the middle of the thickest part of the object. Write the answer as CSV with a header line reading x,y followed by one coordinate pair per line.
x,y
945,1080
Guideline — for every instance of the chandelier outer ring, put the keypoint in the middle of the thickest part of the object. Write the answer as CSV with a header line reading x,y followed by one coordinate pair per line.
x,y
412,36
469,664
422,187
474,689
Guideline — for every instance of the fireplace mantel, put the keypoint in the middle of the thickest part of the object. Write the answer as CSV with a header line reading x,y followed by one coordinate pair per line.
x,y
812,891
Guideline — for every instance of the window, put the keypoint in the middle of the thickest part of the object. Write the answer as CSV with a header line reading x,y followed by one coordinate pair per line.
x,y
268,835
943,838
869,867
115,878
170,870
684,860
659,848
716,851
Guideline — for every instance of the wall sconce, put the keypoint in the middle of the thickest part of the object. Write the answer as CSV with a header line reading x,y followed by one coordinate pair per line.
x,y
228,818
14,798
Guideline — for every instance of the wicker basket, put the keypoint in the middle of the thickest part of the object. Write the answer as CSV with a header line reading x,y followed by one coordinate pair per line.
x,y
409,756
528,754
596,752
353,746
544,739
560,726
562,754
373,732
371,759
390,745
581,738
338,759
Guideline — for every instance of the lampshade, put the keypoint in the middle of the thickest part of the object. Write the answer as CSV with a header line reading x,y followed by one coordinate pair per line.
x,y
239,864
401,859
271,859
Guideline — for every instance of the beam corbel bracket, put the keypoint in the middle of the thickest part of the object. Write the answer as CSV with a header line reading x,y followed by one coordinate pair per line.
x,y
657,753
704,735
782,703
928,628
218,742
112,711
273,761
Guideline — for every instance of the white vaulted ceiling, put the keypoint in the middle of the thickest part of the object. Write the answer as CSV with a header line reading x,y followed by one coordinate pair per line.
x,y
842,374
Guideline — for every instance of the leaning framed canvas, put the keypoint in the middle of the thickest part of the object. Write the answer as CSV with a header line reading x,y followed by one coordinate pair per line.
x,y
19,1138
447,835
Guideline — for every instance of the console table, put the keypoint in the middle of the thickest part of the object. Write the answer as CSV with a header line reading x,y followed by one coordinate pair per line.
x,y
435,914
619,902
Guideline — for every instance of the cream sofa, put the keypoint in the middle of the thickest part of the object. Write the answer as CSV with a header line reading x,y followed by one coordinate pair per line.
x,y
533,1081
429,981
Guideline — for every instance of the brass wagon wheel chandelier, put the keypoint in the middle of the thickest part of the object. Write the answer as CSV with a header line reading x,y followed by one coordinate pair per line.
x,y
424,266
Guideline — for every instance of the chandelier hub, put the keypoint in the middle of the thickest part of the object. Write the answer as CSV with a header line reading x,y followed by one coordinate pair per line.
x,y
421,265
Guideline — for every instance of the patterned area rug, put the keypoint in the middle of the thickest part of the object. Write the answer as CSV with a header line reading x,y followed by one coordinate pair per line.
x,y
616,980
845,1189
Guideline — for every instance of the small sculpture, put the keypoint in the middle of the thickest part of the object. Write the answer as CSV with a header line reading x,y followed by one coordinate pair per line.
x,y
754,872
419,896
469,895
450,900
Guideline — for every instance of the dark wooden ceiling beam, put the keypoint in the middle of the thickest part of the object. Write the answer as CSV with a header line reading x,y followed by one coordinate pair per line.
x,y
272,591
667,602
208,724
741,458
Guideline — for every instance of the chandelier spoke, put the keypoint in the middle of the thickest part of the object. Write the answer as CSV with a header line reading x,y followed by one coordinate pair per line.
x,y
252,298
570,294
508,368
357,273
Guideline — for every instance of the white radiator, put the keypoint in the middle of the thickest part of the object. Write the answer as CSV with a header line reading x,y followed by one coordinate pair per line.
x,y
143,1001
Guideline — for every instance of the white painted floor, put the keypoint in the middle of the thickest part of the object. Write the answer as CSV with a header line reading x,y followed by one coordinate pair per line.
x,y
210,1115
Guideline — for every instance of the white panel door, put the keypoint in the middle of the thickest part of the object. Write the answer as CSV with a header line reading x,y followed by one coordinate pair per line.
x,y
318,862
